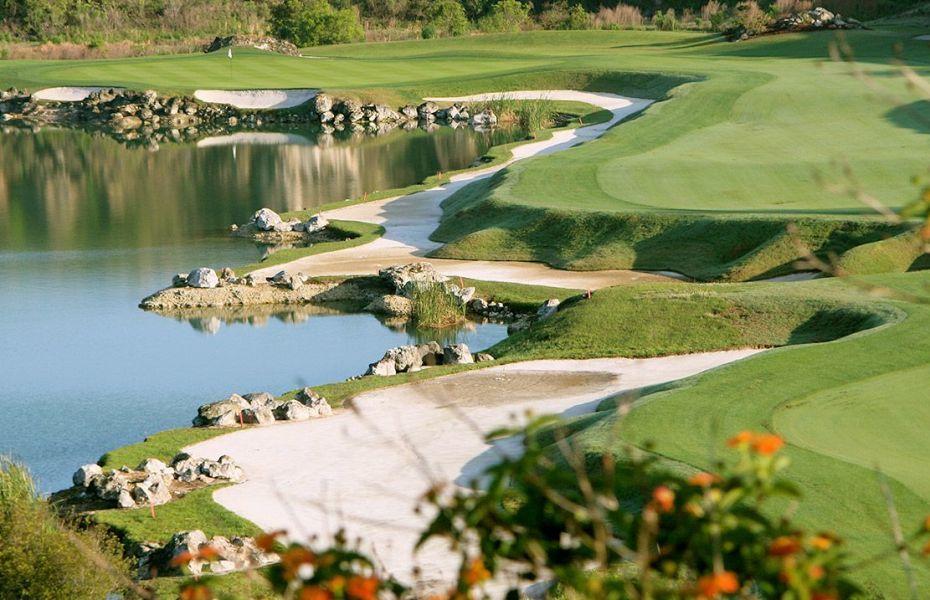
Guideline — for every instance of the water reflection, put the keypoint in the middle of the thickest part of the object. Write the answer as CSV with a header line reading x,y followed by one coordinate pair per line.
x,y
212,320
66,189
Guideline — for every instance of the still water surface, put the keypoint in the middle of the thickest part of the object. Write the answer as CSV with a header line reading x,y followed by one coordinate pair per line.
x,y
88,227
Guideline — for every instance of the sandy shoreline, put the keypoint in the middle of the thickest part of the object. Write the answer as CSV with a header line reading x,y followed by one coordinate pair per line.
x,y
410,220
364,469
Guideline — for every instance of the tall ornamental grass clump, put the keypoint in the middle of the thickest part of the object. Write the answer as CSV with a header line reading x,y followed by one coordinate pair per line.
x,y
41,557
434,305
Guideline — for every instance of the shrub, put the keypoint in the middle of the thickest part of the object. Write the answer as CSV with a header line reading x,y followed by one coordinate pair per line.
x,y
41,557
607,528
446,18
434,305
666,21
750,18
315,22
781,8
578,18
622,16
505,16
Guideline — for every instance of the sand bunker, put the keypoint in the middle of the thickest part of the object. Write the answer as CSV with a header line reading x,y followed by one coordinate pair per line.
x,y
365,469
66,94
256,99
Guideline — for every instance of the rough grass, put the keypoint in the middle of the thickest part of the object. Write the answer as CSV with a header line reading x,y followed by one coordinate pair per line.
x,y
435,306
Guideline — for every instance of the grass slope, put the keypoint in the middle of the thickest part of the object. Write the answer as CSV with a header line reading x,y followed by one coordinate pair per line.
x,y
846,407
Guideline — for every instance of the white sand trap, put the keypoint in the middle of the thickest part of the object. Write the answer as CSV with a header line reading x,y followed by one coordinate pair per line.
x,y
364,470
923,38
410,220
254,138
256,99
66,94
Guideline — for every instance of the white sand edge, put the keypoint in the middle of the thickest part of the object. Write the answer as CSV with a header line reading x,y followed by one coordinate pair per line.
x,y
254,138
410,220
256,99
365,469
67,94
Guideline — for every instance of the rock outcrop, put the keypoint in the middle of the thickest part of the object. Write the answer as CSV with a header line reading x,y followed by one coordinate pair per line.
x,y
248,291
152,482
228,555
814,19
261,408
408,359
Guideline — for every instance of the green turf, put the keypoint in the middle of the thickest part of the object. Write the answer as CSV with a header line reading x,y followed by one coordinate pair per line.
x,y
196,510
845,406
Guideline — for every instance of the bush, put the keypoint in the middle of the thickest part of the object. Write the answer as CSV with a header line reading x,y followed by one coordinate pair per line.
x,y
666,21
622,16
578,18
446,18
315,23
40,557
751,19
505,16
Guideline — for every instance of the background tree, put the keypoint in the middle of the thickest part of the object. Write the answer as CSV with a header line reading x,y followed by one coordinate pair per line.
x,y
315,22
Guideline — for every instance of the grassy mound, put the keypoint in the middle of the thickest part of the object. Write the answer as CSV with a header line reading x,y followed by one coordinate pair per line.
x,y
478,225
661,319
897,254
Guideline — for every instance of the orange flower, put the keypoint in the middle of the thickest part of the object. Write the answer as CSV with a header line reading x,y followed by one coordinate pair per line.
x,y
197,591
767,444
823,541
824,596
294,558
182,559
314,592
926,549
663,498
265,541
703,479
208,553
712,586
476,572
784,546
743,438
362,588
816,572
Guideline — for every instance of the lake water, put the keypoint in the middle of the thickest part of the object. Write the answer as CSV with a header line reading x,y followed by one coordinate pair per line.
x,y
89,227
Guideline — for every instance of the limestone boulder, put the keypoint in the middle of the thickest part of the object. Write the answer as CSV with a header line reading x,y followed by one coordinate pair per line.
x,y
224,413
203,277
400,277
457,354
292,410
86,475
266,219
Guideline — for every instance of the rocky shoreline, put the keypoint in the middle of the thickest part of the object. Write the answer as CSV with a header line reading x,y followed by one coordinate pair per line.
x,y
148,119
